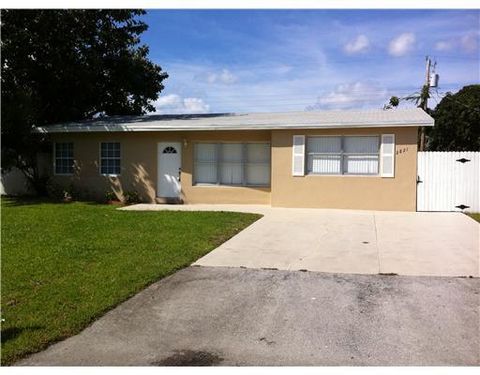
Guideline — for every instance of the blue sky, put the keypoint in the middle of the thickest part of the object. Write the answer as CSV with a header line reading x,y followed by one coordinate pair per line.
x,y
295,60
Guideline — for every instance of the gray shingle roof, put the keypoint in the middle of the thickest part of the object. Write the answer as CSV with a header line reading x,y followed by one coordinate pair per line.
x,y
251,121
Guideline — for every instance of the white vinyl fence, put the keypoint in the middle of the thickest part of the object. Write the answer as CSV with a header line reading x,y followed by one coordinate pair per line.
x,y
448,181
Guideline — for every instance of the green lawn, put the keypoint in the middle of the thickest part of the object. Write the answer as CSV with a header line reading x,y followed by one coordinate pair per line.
x,y
475,216
65,264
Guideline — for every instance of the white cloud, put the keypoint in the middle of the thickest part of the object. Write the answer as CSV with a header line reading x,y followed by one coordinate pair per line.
x,y
175,104
469,42
224,77
227,77
195,105
443,45
359,45
352,95
402,44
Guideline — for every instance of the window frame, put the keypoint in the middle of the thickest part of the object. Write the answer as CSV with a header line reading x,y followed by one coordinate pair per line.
x,y
220,163
55,173
244,162
342,155
114,158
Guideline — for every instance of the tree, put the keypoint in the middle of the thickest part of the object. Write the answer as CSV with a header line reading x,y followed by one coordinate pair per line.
x,y
457,122
392,103
69,65
420,99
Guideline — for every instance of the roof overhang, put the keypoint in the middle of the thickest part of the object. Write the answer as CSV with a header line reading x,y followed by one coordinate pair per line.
x,y
257,121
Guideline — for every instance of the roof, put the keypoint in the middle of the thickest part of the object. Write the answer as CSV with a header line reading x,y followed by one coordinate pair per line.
x,y
250,121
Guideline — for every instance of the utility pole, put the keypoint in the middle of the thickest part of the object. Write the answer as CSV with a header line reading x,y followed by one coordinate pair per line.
x,y
424,99
427,81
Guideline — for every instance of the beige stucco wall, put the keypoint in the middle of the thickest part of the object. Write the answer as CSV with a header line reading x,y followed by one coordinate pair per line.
x,y
352,192
139,165
139,171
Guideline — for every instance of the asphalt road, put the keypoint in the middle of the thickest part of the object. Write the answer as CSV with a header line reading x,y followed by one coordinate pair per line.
x,y
235,316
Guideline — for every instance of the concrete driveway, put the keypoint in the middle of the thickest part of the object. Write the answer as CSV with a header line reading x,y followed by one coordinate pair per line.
x,y
234,316
229,315
344,241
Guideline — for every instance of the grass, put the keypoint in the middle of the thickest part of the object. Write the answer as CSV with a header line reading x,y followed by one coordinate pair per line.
x,y
475,216
66,264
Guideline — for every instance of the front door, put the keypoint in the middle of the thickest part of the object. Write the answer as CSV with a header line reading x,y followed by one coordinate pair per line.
x,y
169,164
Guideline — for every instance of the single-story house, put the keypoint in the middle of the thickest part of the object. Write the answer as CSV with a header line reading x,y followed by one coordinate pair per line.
x,y
331,159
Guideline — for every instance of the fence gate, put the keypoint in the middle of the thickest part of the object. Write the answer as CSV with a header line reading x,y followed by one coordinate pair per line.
x,y
448,181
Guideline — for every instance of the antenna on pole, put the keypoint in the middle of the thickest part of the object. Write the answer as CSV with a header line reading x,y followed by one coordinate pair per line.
x,y
434,77
427,82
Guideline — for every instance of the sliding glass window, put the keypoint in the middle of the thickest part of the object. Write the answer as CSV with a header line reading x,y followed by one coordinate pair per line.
x,y
342,155
233,164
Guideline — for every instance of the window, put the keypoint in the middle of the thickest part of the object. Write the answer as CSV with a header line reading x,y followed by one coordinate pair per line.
x,y
232,164
324,155
206,163
110,158
358,155
169,150
257,167
64,158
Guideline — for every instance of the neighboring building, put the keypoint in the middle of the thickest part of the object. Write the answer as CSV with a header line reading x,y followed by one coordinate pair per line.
x,y
14,182
335,159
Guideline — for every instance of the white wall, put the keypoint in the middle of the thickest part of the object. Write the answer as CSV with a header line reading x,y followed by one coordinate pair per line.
x,y
447,183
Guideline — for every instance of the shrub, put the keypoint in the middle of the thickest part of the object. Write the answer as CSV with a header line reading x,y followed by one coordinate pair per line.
x,y
110,196
54,191
63,193
131,197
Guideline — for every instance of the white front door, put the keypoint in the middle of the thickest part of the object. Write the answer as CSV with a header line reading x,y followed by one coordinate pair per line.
x,y
169,164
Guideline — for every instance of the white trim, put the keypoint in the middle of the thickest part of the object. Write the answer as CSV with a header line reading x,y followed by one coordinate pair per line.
x,y
55,159
301,138
383,154
100,160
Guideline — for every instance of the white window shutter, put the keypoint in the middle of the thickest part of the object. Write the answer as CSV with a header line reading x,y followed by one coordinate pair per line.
x,y
298,155
387,150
